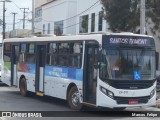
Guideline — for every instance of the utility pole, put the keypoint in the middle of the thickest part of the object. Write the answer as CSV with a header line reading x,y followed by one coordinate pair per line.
x,y
33,14
14,14
142,17
4,10
24,16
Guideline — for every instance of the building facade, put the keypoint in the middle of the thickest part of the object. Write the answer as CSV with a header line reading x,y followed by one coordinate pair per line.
x,y
69,17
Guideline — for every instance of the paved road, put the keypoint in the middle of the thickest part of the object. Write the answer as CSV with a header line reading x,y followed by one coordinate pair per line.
x,y
11,100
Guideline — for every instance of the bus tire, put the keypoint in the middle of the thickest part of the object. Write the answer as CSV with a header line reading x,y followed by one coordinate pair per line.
x,y
73,99
23,87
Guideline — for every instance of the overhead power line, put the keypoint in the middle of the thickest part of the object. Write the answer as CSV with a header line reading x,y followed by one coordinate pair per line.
x,y
67,26
77,14
24,16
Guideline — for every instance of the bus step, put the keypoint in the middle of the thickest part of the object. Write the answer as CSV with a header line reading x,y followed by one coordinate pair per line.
x,y
39,93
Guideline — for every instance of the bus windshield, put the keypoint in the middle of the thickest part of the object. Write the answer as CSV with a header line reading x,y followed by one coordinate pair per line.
x,y
123,64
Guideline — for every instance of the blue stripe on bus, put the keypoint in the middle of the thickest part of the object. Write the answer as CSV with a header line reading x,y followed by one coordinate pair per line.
x,y
61,72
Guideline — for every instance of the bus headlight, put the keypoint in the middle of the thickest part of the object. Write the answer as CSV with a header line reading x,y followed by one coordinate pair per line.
x,y
107,92
152,93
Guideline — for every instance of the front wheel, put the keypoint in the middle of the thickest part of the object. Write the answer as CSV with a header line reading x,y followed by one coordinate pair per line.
x,y
73,99
23,87
158,86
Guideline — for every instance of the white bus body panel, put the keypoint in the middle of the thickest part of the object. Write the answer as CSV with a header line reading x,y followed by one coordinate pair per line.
x,y
6,76
105,101
57,87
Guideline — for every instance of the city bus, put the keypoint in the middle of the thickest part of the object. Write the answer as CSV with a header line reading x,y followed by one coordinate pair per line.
x,y
113,70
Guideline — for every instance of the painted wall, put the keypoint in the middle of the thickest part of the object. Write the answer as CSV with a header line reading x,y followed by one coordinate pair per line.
x,y
57,11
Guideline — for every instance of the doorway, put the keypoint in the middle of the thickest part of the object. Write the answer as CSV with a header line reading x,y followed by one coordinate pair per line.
x,y
40,64
14,64
90,73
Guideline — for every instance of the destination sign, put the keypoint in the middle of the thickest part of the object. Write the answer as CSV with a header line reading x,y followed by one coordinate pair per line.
x,y
128,40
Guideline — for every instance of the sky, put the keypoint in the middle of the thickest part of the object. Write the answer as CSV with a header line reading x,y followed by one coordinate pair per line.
x,y
15,6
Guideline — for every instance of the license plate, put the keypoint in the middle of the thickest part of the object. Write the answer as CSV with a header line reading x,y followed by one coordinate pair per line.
x,y
133,102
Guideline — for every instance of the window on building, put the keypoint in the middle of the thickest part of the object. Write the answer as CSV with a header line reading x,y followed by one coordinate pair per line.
x,y
43,28
38,12
58,28
83,26
49,25
100,21
93,22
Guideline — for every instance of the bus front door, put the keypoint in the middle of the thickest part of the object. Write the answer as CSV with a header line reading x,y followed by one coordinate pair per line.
x,y
40,64
14,65
90,73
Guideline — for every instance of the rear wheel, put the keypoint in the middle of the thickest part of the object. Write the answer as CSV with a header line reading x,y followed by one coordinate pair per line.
x,y
73,99
23,87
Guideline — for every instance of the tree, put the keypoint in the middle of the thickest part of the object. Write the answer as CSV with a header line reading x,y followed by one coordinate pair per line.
x,y
122,15
153,12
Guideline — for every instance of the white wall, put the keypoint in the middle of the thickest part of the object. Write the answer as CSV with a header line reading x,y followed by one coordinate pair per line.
x,y
83,5
57,11
38,3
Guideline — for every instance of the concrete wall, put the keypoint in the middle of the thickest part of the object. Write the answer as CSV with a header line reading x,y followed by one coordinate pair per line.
x,y
38,3
83,5
57,11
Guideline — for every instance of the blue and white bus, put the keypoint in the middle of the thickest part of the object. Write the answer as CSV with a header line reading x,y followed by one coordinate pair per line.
x,y
115,70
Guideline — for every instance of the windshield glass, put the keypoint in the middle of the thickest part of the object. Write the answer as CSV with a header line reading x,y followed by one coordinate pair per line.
x,y
128,65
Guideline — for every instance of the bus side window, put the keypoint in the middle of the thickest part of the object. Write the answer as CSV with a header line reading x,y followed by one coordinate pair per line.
x,y
30,55
63,48
23,47
53,48
7,52
75,58
52,54
21,57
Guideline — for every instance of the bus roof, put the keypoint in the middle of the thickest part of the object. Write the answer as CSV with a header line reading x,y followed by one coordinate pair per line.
x,y
71,37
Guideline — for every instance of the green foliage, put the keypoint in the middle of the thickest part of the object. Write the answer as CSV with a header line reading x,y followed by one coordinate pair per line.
x,y
153,12
122,15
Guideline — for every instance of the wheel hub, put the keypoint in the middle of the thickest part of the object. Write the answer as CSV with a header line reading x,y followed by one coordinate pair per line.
x,y
75,99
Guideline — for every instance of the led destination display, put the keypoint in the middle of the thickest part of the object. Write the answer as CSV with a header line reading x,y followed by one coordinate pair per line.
x,y
128,40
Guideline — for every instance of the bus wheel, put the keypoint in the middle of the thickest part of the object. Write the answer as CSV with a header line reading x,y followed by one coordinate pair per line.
x,y
23,87
73,99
